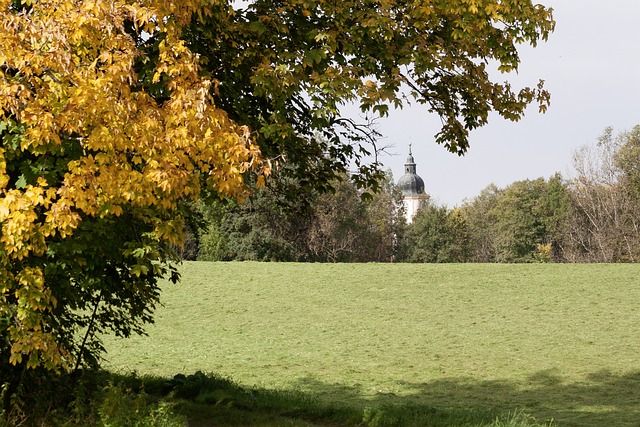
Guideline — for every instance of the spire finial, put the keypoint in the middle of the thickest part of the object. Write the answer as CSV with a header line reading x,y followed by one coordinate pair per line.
x,y
410,149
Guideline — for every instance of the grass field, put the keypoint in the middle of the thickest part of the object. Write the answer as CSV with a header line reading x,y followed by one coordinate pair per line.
x,y
556,341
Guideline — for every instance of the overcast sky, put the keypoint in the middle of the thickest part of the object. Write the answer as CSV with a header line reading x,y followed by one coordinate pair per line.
x,y
591,65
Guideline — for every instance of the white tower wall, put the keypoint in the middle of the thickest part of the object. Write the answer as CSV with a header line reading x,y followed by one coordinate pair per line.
x,y
411,206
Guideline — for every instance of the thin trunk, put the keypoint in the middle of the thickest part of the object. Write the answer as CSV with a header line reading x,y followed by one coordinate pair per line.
x,y
88,333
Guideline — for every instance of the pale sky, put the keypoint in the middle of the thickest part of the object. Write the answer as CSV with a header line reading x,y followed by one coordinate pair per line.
x,y
591,65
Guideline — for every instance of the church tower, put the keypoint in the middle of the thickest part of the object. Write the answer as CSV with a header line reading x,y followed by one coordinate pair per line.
x,y
412,187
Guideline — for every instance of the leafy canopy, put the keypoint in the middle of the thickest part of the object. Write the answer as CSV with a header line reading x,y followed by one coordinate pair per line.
x,y
287,69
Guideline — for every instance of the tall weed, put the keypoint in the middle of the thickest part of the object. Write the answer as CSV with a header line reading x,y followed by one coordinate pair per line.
x,y
120,407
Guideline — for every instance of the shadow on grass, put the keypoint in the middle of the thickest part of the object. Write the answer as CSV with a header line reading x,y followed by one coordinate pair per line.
x,y
603,399
207,400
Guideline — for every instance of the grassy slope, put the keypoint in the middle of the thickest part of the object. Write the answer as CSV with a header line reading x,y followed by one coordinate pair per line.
x,y
559,341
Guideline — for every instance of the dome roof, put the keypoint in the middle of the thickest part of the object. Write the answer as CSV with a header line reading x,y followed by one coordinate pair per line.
x,y
410,183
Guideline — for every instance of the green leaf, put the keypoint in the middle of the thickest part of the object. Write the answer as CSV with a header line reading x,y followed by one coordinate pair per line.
x,y
139,253
21,182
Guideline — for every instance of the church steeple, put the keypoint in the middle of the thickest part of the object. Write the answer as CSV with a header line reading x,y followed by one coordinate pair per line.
x,y
410,183
410,165
412,187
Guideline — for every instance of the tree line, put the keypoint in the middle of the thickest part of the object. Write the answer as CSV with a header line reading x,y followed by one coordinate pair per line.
x,y
340,225
593,216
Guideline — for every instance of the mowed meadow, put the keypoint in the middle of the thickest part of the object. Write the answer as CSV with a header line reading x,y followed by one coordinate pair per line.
x,y
555,341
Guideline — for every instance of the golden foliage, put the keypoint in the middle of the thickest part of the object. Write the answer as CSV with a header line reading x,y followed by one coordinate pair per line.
x,y
67,74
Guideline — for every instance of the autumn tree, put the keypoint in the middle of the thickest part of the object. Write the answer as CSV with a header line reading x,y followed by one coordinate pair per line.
x,y
101,143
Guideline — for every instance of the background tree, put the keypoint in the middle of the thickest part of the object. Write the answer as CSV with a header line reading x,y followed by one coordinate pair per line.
x,y
519,226
528,213
337,226
436,234
556,210
480,215
604,227
523,222
626,158
350,228
268,226
386,222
